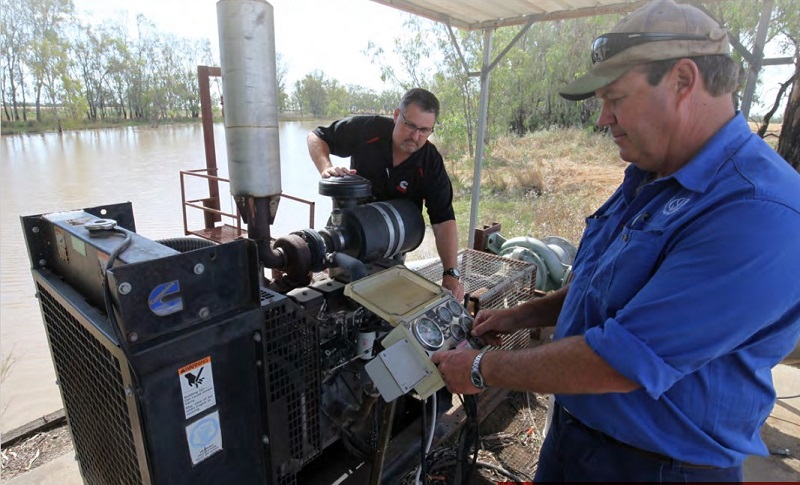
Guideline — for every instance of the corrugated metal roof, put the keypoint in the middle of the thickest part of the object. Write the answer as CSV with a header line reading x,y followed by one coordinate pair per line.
x,y
483,14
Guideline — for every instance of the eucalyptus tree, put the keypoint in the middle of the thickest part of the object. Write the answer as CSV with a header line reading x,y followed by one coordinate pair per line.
x,y
90,50
310,94
457,91
14,37
54,78
47,49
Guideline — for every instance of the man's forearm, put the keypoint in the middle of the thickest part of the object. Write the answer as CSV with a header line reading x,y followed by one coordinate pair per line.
x,y
446,235
319,151
567,366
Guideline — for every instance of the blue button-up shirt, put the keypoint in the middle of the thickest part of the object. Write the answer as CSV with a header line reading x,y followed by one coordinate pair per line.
x,y
690,286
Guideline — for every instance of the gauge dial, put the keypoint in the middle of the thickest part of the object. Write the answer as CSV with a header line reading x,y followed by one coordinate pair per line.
x,y
458,332
466,322
428,333
444,313
454,307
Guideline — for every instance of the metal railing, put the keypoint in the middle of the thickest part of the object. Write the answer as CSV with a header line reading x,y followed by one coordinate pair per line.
x,y
231,227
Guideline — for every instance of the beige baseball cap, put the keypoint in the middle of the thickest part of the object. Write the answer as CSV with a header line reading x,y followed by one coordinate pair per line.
x,y
659,30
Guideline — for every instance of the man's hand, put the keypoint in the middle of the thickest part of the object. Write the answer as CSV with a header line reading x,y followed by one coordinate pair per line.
x,y
336,172
455,367
455,287
489,325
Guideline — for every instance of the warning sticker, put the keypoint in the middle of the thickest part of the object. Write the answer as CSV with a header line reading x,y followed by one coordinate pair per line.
x,y
204,437
197,387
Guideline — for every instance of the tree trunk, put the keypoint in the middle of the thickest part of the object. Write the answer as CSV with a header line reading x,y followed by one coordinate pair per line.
x,y
789,141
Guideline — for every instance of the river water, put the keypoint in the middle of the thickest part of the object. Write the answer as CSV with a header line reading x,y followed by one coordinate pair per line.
x,y
51,172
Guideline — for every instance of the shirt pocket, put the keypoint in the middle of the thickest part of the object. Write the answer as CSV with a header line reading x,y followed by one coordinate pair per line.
x,y
591,243
634,257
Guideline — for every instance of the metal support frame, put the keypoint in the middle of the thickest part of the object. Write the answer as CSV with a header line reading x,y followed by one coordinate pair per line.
x,y
758,57
203,75
483,109
755,59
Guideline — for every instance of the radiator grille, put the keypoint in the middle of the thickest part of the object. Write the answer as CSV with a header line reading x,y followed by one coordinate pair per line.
x,y
496,282
293,385
94,398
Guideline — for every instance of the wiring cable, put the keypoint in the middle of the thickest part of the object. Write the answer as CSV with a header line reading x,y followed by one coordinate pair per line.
x,y
109,300
421,471
468,441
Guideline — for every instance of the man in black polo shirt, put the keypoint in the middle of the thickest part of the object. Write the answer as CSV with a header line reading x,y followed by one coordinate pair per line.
x,y
394,154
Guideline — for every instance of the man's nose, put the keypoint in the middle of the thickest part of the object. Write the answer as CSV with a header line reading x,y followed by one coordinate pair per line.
x,y
606,116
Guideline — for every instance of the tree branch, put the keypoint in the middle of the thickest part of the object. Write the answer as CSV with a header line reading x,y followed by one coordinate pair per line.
x,y
765,122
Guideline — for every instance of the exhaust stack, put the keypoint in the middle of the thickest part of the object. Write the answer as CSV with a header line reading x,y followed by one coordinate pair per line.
x,y
249,87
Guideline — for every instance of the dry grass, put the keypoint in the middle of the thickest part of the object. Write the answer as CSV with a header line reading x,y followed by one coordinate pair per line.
x,y
542,184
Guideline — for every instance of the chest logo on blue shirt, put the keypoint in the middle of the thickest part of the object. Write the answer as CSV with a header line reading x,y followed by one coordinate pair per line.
x,y
402,186
675,204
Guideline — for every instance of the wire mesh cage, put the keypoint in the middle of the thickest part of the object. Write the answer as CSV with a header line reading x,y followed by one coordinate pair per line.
x,y
492,282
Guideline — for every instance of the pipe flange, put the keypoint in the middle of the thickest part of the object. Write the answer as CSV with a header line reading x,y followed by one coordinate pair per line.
x,y
298,259
565,245
316,248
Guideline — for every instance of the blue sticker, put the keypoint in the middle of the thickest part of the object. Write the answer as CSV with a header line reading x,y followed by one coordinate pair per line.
x,y
164,299
203,433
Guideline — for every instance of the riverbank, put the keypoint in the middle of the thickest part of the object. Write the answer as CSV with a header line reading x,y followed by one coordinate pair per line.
x,y
32,127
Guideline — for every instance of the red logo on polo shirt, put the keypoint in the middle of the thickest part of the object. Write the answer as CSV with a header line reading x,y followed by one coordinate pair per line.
x,y
402,187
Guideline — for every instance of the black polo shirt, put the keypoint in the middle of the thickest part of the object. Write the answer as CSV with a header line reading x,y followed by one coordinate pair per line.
x,y
367,140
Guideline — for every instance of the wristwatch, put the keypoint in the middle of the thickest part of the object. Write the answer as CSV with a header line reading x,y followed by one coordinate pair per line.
x,y
454,272
475,374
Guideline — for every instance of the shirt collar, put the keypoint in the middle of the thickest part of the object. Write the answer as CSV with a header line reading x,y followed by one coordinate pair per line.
x,y
701,169
698,173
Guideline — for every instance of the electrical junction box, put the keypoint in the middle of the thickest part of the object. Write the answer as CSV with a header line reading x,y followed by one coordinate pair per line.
x,y
426,318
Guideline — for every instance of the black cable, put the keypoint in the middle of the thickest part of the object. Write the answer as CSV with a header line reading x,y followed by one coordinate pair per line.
x,y
468,441
109,302
423,458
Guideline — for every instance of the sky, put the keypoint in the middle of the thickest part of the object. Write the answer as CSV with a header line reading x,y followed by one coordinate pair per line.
x,y
329,35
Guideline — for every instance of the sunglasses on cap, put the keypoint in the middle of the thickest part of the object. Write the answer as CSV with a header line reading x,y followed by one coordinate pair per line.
x,y
608,45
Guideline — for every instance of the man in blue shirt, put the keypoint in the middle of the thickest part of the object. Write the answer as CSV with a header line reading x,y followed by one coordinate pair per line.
x,y
685,291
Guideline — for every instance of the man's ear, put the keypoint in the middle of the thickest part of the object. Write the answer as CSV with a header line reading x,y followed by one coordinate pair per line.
x,y
396,114
686,78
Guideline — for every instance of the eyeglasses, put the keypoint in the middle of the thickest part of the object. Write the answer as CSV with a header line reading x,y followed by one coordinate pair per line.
x,y
608,45
411,127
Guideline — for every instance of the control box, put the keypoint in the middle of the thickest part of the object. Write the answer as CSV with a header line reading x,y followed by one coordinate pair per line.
x,y
426,317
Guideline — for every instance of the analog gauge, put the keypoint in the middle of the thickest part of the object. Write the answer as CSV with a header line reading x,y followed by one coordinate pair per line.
x,y
445,314
428,333
466,322
454,307
458,331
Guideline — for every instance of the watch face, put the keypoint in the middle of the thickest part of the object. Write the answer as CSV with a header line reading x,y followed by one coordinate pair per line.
x,y
477,380
454,272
